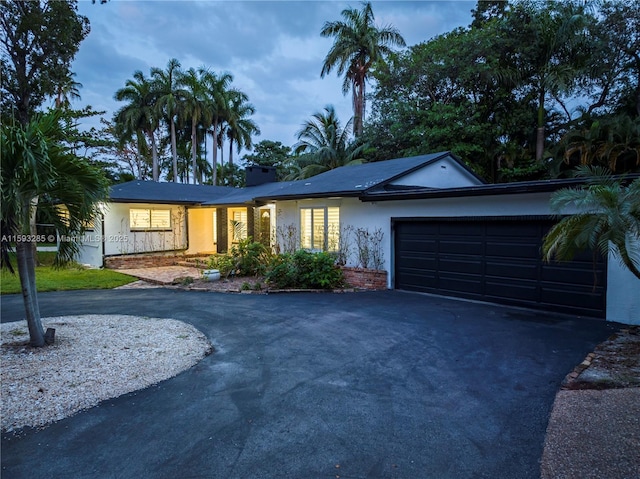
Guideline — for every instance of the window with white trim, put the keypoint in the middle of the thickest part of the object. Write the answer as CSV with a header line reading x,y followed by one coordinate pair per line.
x,y
237,224
144,219
320,228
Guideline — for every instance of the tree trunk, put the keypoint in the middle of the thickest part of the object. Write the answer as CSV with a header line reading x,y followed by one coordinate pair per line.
x,y
193,150
27,272
174,150
358,103
215,151
230,152
541,129
154,156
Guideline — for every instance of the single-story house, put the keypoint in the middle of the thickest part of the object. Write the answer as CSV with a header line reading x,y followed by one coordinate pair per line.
x,y
443,230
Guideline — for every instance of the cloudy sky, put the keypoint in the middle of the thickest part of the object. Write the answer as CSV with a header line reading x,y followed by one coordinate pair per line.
x,y
273,49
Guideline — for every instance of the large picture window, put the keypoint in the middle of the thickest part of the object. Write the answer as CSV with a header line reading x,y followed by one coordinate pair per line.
x,y
320,228
149,219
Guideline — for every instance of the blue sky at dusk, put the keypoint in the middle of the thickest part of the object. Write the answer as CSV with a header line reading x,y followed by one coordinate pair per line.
x,y
273,49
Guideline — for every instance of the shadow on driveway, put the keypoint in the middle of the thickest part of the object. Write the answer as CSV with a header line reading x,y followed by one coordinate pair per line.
x,y
358,385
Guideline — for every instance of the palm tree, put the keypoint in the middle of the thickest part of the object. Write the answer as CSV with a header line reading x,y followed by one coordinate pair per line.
x,y
240,128
140,114
608,219
193,93
66,90
325,145
39,173
358,45
168,102
556,37
216,92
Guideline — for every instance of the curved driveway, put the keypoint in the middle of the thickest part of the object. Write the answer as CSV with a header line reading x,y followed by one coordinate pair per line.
x,y
357,385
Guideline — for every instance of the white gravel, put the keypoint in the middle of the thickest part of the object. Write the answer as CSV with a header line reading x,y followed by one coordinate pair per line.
x,y
95,357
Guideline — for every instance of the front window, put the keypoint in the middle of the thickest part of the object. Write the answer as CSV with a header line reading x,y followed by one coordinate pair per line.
x,y
149,219
320,228
237,224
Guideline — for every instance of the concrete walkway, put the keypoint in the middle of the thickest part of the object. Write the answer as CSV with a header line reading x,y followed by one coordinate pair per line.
x,y
357,385
163,274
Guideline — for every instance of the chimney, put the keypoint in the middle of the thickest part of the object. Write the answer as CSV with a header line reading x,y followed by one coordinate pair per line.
x,y
258,175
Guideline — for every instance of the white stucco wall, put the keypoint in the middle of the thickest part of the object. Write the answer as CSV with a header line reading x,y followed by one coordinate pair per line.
x,y
119,239
623,294
91,246
623,289
444,173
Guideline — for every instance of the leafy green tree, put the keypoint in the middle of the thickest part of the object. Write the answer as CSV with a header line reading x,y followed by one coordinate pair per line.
x,y
39,41
40,174
608,219
271,153
358,45
610,141
326,144
139,116
168,102
549,54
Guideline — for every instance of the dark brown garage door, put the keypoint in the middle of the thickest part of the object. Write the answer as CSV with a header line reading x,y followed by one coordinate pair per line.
x,y
495,260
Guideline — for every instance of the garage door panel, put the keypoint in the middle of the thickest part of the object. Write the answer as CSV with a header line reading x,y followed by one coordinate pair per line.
x,y
461,247
461,264
460,282
523,270
495,260
512,250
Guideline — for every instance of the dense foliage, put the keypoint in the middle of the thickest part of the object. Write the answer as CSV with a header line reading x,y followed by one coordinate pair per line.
x,y
513,93
304,269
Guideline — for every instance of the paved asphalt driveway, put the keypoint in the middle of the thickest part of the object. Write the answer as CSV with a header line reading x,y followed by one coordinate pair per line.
x,y
358,385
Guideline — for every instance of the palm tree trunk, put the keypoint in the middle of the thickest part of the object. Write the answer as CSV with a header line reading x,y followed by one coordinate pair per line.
x,y
358,107
193,150
174,150
230,151
154,156
541,129
27,272
215,151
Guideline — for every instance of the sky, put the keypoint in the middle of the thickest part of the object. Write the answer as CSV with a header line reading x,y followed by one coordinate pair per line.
x,y
273,49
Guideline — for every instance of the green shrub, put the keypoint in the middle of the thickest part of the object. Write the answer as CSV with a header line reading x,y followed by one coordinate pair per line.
x,y
223,263
247,258
306,270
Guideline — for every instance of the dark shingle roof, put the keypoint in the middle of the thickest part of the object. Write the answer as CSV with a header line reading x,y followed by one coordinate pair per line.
x,y
175,193
353,180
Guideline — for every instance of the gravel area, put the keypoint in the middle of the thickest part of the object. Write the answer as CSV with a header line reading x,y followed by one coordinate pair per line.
x,y
593,435
95,357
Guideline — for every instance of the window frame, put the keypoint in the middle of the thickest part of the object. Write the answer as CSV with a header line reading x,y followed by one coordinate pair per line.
x,y
325,228
150,212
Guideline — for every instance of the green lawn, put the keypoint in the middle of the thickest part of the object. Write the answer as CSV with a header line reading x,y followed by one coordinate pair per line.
x,y
64,279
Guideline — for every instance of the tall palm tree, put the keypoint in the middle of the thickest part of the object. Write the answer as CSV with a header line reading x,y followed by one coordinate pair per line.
x,y
556,36
193,93
66,90
140,114
216,92
325,145
358,45
608,219
40,173
168,102
240,128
